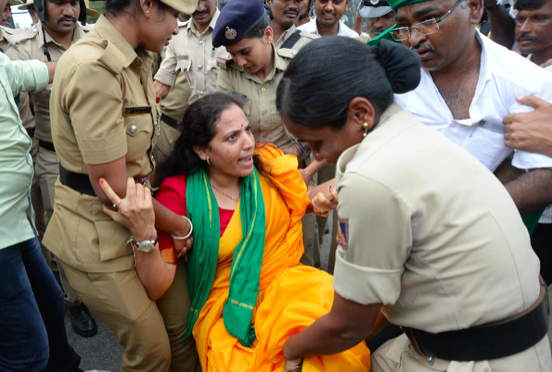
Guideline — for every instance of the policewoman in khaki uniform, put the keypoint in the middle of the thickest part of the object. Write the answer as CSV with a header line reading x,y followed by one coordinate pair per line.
x,y
253,75
429,238
104,126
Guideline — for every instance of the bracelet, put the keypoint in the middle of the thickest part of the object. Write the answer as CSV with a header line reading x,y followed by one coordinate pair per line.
x,y
296,368
189,232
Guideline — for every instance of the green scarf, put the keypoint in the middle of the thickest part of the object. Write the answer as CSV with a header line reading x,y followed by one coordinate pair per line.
x,y
203,211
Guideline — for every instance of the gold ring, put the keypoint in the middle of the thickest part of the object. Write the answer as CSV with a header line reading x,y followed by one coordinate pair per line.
x,y
116,204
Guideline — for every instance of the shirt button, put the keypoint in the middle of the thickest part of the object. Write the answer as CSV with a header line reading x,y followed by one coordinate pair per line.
x,y
263,89
133,129
264,112
201,93
200,66
430,360
452,125
201,42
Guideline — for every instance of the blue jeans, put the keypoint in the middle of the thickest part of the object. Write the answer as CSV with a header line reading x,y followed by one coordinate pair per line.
x,y
32,324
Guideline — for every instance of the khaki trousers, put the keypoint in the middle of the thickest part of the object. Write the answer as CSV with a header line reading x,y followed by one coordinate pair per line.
x,y
120,300
325,174
174,307
397,355
311,257
46,174
165,142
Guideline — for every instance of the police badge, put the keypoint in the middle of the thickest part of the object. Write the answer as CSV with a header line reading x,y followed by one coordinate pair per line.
x,y
230,33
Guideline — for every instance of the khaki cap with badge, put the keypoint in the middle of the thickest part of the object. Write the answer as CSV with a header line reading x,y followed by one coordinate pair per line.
x,y
374,8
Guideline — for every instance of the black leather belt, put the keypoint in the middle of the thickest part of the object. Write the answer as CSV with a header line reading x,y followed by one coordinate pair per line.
x,y
81,182
47,145
77,181
31,132
171,122
489,341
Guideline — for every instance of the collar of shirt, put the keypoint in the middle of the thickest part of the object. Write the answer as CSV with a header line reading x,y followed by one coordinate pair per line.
x,y
191,27
312,27
106,31
287,33
78,33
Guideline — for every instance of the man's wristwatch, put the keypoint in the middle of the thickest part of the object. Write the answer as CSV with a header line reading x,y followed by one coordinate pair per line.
x,y
490,8
145,246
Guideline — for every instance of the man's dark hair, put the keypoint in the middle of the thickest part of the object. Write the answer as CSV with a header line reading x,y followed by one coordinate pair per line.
x,y
529,4
318,86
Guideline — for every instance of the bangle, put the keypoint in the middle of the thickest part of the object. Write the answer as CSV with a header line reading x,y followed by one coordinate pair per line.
x,y
189,232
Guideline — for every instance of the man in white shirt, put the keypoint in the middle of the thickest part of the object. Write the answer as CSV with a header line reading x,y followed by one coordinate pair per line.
x,y
469,84
328,19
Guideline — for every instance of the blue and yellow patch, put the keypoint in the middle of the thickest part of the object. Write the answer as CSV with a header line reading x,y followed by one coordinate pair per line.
x,y
342,232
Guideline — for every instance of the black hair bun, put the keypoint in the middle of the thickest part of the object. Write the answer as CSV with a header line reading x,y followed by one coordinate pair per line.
x,y
269,13
402,65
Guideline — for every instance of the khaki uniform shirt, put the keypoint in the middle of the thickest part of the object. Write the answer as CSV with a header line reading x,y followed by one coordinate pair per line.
x,y
259,97
103,108
429,232
30,45
192,54
175,103
303,40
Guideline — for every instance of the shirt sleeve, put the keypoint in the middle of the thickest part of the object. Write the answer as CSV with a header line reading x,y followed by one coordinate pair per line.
x,y
529,160
172,194
224,84
26,76
167,70
375,238
99,128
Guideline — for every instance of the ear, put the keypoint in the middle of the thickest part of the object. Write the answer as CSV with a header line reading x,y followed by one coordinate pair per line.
x,y
476,10
202,152
147,6
361,111
268,35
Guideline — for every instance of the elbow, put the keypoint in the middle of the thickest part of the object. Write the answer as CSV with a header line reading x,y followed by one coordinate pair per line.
x,y
155,293
353,337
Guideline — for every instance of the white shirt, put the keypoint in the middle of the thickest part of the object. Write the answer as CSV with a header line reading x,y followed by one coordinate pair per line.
x,y
312,28
504,75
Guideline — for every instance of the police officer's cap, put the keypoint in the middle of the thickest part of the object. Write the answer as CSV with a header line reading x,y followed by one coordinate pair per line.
x,y
374,8
236,19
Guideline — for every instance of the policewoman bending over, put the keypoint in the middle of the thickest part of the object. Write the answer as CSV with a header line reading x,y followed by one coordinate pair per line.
x,y
429,238
105,122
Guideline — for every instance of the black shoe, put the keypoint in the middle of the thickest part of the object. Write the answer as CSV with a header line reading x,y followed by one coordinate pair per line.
x,y
81,320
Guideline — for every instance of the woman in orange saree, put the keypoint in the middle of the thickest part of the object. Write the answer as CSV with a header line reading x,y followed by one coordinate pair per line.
x,y
289,296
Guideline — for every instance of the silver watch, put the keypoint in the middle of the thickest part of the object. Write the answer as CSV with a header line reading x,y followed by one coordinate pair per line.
x,y
146,246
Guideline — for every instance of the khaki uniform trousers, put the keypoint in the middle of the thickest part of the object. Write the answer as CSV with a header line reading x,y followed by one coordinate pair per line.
x,y
174,307
121,301
165,141
325,174
46,174
398,355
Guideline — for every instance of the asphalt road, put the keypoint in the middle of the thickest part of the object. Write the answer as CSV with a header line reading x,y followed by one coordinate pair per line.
x,y
103,352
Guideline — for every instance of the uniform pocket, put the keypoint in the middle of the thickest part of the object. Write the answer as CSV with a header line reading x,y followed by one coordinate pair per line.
x,y
183,64
139,131
112,236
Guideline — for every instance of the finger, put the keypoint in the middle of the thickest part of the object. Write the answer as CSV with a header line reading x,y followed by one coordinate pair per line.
x,y
108,191
110,213
140,198
131,189
335,196
532,101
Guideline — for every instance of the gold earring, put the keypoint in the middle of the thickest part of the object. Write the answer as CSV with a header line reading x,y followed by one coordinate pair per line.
x,y
365,126
208,162
147,12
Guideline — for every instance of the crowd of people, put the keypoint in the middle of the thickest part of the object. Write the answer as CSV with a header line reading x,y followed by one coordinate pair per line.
x,y
174,166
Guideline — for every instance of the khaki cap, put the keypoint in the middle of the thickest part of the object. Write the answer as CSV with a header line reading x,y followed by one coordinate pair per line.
x,y
183,6
15,2
89,12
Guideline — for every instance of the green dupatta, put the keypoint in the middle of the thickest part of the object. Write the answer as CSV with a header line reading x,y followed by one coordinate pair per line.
x,y
202,209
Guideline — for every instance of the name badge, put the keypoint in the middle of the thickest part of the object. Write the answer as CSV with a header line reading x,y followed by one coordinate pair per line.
x,y
239,96
137,110
182,57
